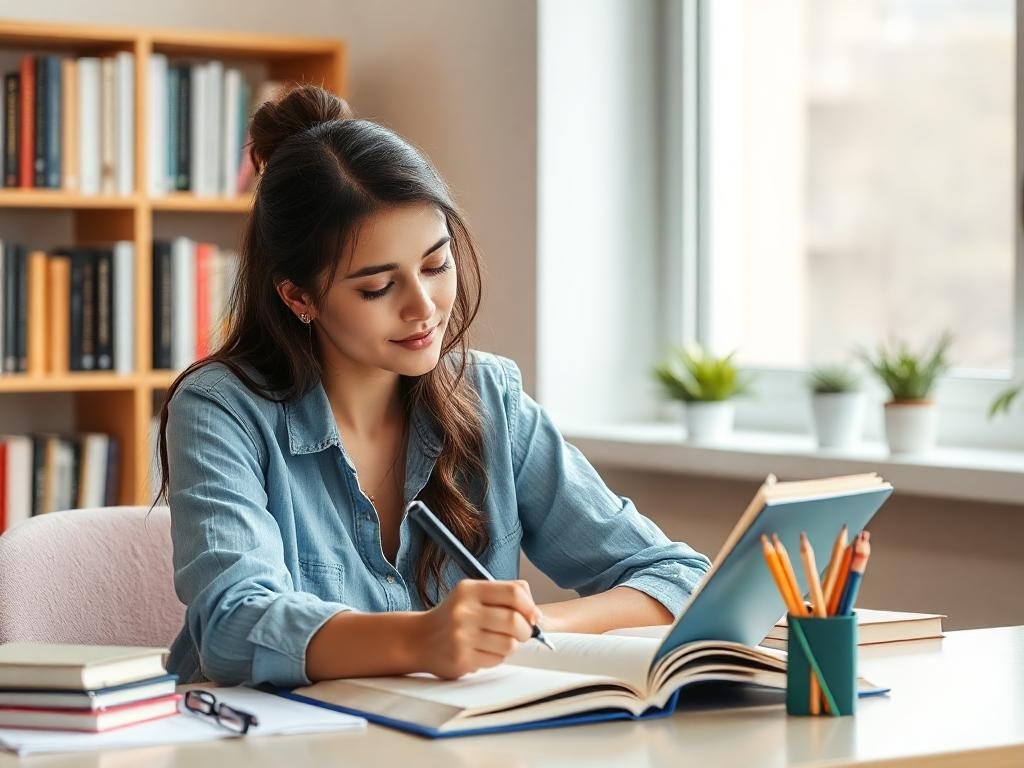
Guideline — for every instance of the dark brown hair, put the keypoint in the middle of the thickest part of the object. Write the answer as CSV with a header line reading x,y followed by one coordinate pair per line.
x,y
321,172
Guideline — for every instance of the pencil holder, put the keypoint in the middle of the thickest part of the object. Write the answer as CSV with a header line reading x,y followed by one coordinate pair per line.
x,y
832,642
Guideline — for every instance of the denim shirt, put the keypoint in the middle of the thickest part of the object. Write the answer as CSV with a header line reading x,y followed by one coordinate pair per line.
x,y
272,535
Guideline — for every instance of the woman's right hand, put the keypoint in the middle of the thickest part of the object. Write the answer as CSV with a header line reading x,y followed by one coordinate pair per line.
x,y
477,625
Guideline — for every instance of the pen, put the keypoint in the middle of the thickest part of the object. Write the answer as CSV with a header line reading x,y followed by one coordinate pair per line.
x,y
436,530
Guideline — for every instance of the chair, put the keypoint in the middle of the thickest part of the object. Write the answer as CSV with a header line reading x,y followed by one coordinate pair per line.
x,y
96,576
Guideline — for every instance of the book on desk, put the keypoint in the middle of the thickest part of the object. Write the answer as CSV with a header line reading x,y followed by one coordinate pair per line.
x,y
591,678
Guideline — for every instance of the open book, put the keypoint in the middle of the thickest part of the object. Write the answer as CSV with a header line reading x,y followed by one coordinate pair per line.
x,y
605,677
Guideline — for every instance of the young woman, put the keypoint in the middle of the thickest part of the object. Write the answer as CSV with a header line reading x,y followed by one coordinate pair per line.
x,y
343,390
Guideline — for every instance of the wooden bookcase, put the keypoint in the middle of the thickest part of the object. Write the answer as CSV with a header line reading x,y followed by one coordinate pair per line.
x,y
118,404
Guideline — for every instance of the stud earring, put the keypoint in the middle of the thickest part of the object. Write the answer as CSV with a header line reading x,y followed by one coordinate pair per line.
x,y
304,318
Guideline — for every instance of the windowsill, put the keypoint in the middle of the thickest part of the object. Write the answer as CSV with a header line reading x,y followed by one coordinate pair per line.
x,y
957,473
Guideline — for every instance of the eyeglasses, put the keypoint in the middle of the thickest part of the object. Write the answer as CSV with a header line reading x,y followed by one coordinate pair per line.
x,y
205,703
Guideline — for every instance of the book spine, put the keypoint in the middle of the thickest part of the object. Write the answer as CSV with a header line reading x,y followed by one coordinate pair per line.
x,y
89,311
183,302
22,305
161,304
10,318
74,449
26,148
124,306
38,473
113,472
89,130
58,279
55,121
69,124
183,179
3,301
104,309
37,314
204,264
124,139
42,126
76,318
108,129
170,160
12,132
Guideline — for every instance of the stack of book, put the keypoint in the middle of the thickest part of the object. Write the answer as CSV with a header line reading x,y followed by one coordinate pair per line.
x,y
83,687
71,309
48,472
68,124
192,283
200,114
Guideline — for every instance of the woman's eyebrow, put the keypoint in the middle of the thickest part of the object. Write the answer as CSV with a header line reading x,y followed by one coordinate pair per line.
x,y
378,268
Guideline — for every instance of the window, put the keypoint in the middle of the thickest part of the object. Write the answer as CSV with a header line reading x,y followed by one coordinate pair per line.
x,y
855,182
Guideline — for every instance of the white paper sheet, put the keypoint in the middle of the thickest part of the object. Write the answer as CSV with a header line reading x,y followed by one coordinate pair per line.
x,y
276,715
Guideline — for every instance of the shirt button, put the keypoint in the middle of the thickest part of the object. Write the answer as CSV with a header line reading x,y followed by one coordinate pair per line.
x,y
391,579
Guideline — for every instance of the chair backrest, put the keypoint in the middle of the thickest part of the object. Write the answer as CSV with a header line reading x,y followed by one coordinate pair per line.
x,y
97,576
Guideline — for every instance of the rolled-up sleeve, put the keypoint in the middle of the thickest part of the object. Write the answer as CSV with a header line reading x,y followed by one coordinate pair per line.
x,y
583,536
248,622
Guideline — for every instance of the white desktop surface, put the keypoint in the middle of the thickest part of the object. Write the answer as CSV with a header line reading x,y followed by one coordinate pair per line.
x,y
958,701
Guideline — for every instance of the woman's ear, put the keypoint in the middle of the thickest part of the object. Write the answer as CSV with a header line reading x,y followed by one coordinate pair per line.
x,y
296,300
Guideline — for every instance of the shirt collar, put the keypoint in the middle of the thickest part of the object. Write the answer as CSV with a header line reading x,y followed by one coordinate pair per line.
x,y
312,428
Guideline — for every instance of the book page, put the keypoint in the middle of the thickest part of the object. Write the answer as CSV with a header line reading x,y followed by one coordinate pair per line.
x,y
624,658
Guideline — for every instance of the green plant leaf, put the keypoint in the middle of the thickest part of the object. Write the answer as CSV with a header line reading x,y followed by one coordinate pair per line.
x,y
692,374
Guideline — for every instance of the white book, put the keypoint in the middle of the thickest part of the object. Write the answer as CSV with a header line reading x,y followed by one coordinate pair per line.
x,y
108,126
183,302
212,131
89,125
158,133
232,93
124,306
92,481
77,667
65,474
124,127
197,146
19,479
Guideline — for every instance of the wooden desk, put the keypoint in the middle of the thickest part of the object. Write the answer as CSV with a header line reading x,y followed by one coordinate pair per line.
x,y
958,701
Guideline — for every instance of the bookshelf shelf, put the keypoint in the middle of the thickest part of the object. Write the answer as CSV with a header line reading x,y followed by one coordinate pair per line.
x,y
188,202
60,200
122,404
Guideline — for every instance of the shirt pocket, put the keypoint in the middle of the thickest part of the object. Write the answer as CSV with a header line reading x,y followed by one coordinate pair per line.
x,y
325,580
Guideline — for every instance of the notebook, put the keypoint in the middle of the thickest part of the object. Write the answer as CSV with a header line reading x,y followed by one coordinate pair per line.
x,y
592,678
77,667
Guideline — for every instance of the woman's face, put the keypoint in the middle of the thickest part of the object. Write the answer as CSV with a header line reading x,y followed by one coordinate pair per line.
x,y
393,292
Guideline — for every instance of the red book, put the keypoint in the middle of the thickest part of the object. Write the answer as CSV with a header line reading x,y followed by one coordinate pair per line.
x,y
27,146
204,326
91,721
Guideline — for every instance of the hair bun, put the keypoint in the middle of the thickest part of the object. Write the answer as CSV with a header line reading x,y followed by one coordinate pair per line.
x,y
292,112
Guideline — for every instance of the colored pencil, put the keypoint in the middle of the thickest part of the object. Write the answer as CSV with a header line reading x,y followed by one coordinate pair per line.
x,y
858,565
771,557
832,572
840,584
787,569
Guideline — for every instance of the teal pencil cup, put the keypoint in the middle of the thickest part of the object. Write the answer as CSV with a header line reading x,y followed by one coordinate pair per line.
x,y
832,642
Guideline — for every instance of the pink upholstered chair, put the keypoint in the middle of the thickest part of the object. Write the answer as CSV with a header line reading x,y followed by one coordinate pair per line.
x,y
98,576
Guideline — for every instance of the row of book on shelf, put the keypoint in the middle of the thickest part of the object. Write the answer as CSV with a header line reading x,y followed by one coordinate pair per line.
x,y
69,124
73,309
48,472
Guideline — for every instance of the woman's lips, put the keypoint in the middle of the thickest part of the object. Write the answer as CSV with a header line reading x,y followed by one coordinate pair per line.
x,y
417,342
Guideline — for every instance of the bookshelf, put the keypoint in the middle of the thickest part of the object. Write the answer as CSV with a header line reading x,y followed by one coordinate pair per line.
x,y
122,405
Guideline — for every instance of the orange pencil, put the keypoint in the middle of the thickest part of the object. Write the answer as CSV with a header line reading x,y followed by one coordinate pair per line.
x,y
787,569
775,567
844,572
818,608
832,572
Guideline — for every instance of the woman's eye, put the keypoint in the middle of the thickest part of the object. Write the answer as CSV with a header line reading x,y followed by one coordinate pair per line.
x,y
368,295
442,267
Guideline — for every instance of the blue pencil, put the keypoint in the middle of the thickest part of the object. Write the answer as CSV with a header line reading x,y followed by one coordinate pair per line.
x,y
861,553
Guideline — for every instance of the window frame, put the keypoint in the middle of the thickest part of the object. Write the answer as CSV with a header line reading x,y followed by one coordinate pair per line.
x,y
780,403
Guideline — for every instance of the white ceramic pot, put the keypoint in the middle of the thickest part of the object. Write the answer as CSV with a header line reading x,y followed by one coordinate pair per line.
x,y
838,418
709,421
911,427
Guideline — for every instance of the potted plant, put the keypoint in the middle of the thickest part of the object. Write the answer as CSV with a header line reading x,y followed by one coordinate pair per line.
x,y
706,385
837,405
1004,400
911,417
